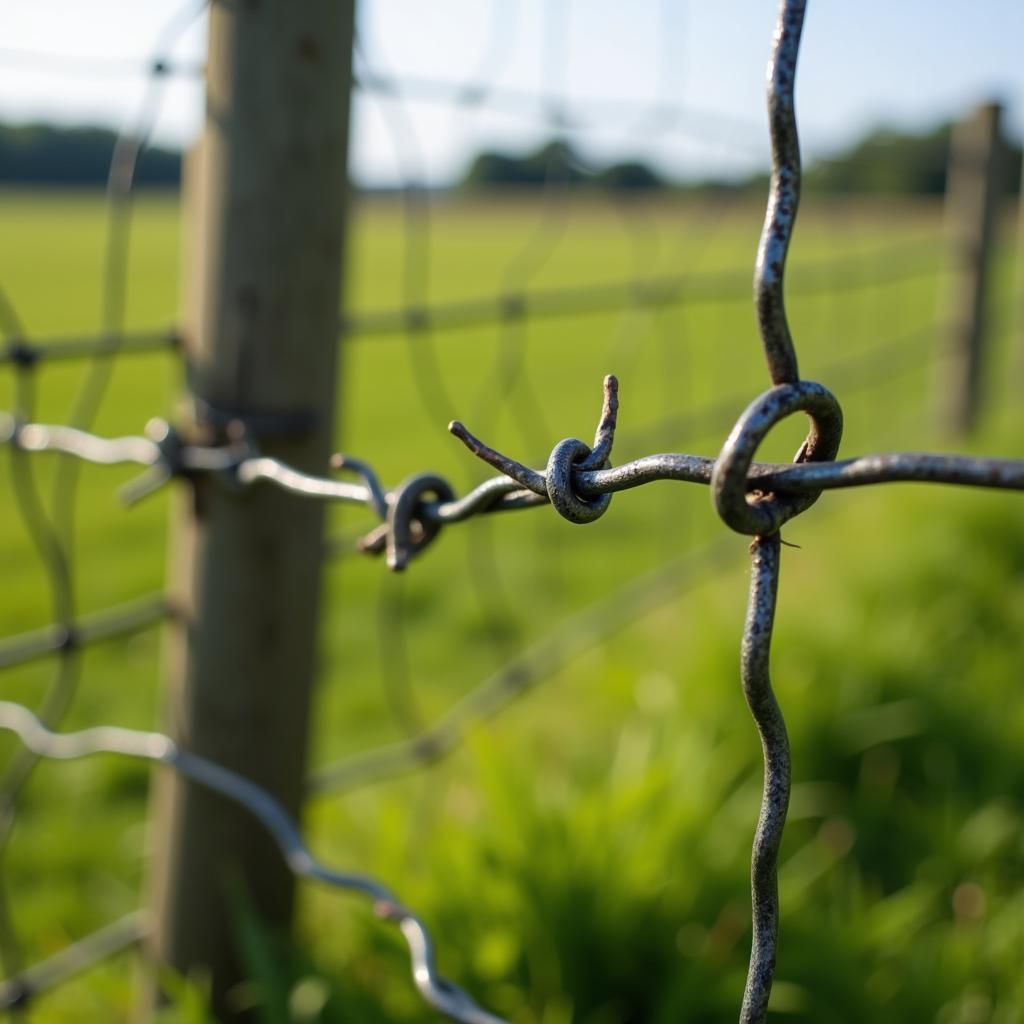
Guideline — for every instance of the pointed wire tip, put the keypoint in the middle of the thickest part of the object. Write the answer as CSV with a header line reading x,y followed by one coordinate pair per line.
x,y
460,431
611,398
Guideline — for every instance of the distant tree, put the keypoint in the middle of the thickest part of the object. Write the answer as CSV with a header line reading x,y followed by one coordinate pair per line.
x,y
41,154
554,161
632,175
888,161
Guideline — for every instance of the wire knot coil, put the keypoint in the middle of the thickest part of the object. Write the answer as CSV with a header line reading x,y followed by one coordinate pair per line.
x,y
759,513
567,458
408,529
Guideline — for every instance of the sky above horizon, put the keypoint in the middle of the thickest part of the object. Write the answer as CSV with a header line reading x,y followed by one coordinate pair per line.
x,y
677,83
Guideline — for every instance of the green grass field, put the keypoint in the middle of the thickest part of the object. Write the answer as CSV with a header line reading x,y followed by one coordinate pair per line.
x,y
584,856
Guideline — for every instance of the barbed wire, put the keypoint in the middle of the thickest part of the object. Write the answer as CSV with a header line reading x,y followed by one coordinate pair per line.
x,y
87,630
577,480
53,531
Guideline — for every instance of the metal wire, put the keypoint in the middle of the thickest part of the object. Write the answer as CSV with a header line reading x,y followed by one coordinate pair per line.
x,y
593,625
883,266
19,989
109,624
757,688
753,498
783,197
578,480
152,746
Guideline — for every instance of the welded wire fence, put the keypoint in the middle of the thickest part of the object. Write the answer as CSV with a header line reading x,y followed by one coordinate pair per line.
x,y
531,371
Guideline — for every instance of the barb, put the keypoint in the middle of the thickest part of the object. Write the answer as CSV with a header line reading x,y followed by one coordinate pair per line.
x,y
155,747
757,497
783,198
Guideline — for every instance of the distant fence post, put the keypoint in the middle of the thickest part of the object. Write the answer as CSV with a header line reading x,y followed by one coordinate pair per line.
x,y
1018,365
972,195
261,340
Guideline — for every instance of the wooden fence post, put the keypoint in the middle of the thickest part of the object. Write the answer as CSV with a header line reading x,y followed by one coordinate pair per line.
x,y
972,195
1018,347
261,338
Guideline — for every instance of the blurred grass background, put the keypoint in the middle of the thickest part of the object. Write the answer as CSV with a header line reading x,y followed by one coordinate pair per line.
x,y
584,857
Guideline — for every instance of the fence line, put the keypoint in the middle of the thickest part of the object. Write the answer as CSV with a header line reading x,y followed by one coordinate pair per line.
x,y
577,481
53,534
155,747
888,265
86,631
18,990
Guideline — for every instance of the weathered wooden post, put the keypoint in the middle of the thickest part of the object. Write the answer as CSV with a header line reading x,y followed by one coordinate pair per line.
x,y
1018,347
972,196
261,336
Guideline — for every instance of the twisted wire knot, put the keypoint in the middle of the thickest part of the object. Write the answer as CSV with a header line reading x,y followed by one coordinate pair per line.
x,y
567,458
571,456
759,513
407,528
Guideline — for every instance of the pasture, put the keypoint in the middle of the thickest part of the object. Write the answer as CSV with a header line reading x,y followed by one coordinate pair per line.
x,y
584,855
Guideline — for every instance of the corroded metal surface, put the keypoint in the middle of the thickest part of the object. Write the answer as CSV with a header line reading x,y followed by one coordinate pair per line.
x,y
783,197
765,513
753,497
757,688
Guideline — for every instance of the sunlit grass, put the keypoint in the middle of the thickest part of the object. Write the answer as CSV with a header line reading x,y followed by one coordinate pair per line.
x,y
585,856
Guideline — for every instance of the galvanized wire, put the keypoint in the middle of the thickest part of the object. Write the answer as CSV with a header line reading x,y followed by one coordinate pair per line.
x,y
53,532
156,747
577,480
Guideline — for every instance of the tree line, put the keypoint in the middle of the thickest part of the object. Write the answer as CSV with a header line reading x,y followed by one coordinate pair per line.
x,y
45,154
884,161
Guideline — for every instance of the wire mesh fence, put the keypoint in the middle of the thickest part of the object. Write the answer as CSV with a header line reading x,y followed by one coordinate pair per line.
x,y
582,279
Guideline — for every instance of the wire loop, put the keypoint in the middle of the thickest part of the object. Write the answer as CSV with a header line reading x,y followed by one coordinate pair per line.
x,y
761,514
566,457
409,529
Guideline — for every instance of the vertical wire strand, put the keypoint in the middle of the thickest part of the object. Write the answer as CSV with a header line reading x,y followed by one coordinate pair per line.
x,y
783,197
757,688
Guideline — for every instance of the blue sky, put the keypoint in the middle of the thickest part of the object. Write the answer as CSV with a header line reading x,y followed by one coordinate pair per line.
x,y
615,67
